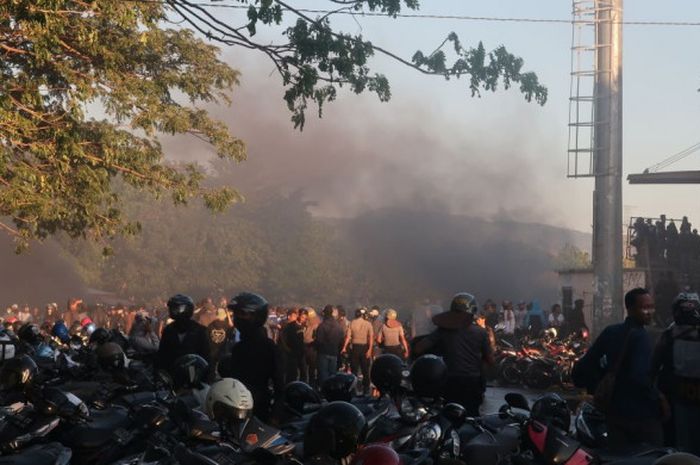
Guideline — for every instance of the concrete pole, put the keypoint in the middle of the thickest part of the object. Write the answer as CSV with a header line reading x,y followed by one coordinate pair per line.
x,y
607,203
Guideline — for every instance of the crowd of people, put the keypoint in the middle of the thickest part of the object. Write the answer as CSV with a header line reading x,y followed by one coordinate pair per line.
x,y
663,244
655,393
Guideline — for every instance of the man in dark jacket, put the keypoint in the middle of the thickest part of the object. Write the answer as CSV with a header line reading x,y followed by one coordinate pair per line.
x,y
292,339
465,347
636,409
329,340
183,336
255,360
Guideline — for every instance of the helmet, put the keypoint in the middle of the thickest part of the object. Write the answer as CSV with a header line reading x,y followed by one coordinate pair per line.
x,y
29,333
464,302
686,309
17,373
374,313
85,321
189,371
249,308
376,454
297,394
11,320
60,330
361,312
7,346
339,387
180,307
387,373
428,376
550,408
100,336
89,328
335,430
391,314
111,356
54,401
229,400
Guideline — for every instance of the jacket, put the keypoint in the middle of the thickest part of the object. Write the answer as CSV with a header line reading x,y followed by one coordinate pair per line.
x,y
174,343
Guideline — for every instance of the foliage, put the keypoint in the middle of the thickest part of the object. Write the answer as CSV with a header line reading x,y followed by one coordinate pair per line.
x,y
64,60
571,257
315,59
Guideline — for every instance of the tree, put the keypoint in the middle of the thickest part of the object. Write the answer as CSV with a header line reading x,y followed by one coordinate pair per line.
x,y
64,61
315,60
58,163
571,257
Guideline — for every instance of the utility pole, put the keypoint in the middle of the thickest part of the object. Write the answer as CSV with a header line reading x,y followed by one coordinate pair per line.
x,y
607,162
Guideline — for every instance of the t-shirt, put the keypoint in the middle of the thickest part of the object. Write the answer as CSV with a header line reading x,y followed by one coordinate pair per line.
x,y
360,331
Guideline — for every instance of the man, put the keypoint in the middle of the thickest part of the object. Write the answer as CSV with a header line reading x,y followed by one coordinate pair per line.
x,y
465,347
636,408
310,353
329,339
255,360
361,335
556,318
292,338
676,362
183,336
143,337
219,333
520,316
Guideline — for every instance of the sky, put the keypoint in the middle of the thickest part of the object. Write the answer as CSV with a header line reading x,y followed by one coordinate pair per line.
x,y
489,156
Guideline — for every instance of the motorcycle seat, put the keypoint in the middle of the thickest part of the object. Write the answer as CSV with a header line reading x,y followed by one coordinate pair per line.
x,y
98,430
44,454
632,452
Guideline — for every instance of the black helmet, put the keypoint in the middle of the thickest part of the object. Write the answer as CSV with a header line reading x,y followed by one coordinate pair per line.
x,y
297,394
29,333
339,387
335,431
552,409
17,373
686,309
249,309
180,307
464,302
110,356
189,371
54,401
428,376
387,373
100,336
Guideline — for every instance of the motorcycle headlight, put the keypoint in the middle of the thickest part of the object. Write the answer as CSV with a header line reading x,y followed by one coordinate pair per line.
x,y
428,435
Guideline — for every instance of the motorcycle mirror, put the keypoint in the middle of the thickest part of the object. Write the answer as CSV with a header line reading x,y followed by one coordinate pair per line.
x,y
517,400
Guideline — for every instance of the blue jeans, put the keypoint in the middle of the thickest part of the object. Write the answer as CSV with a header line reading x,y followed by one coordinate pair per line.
x,y
327,365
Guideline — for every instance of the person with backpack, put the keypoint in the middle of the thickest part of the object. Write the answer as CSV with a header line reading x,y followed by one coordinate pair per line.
x,y
676,362
617,370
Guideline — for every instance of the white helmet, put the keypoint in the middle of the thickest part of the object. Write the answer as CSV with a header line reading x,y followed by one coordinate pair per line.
x,y
228,399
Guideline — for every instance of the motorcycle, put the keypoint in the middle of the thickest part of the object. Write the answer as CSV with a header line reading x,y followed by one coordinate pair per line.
x,y
546,444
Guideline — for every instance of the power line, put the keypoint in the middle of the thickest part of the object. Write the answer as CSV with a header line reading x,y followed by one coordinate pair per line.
x,y
371,14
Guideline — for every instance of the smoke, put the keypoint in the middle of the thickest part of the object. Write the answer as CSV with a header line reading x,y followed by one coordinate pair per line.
x,y
38,276
365,155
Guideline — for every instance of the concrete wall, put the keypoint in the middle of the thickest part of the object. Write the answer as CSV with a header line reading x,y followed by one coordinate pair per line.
x,y
581,283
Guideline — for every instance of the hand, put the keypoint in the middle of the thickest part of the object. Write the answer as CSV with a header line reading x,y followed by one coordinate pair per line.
x,y
344,351
368,354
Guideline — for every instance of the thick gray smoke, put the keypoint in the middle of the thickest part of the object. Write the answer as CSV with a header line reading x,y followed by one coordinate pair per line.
x,y
363,155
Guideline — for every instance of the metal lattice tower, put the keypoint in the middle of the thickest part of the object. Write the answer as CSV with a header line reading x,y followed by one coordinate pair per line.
x,y
580,159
